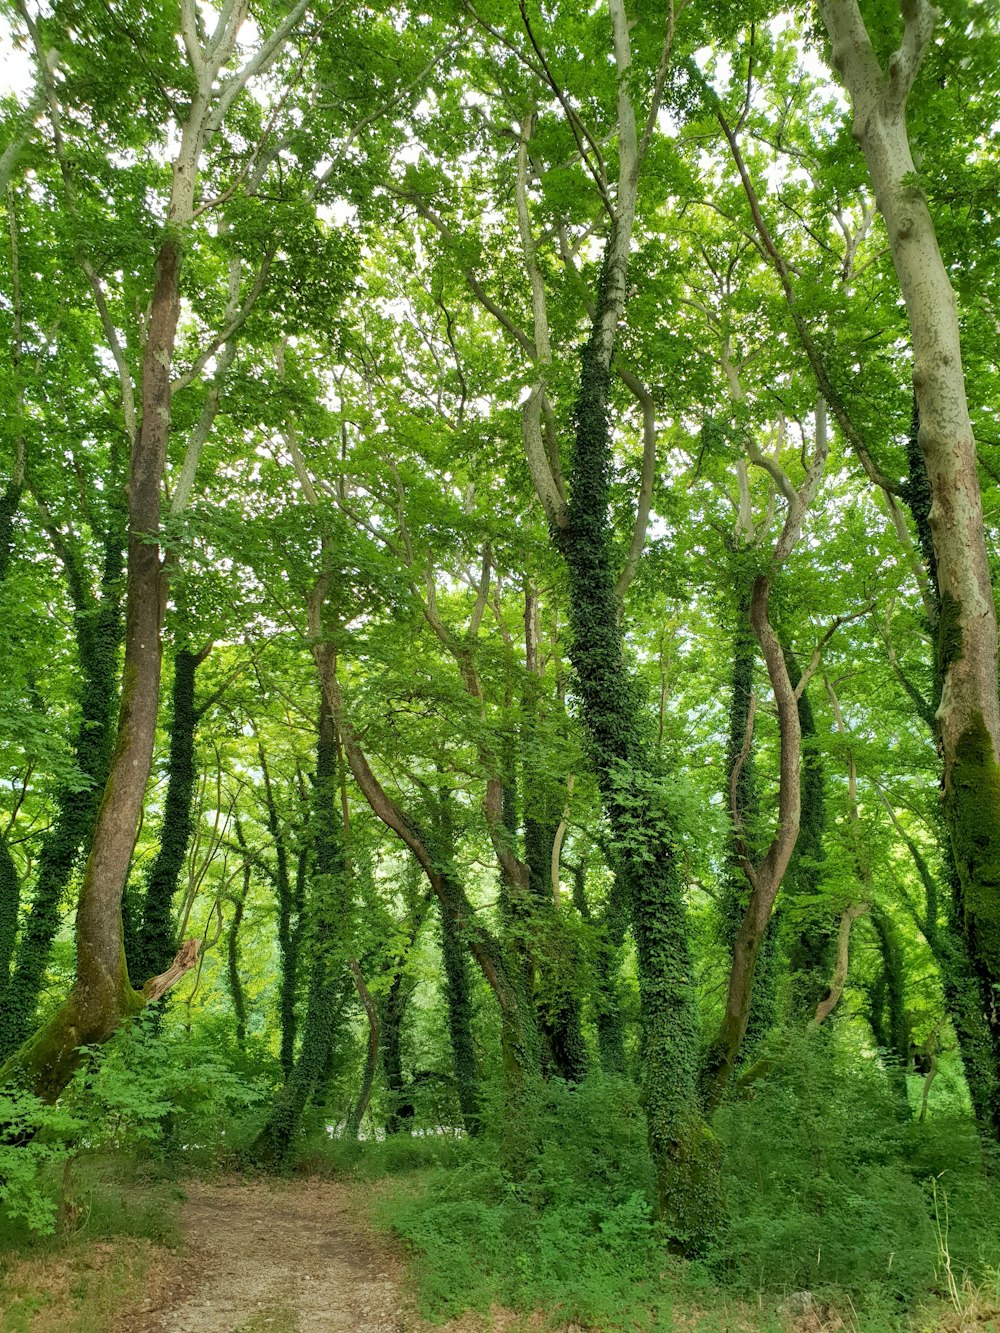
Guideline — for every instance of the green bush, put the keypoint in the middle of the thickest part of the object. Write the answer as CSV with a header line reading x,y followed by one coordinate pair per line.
x,y
157,1092
828,1182
575,1236
36,1139
829,1187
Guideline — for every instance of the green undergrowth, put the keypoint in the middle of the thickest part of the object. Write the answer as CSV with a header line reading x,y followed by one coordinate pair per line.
x,y
836,1200
323,1155
145,1109
96,1197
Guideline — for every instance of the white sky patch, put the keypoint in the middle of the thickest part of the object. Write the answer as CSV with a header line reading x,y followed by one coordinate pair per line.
x,y
16,71
339,213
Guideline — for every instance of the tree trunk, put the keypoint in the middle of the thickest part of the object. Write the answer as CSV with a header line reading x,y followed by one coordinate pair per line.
x,y
684,1152
275,1144
10,901
811,946
517,1023
371,1054
101,995
400,1109
896,1034
742,799
607,999
556,1001
289,910
963,999
156,943
233,977
98,630
458,998
968,714
766,877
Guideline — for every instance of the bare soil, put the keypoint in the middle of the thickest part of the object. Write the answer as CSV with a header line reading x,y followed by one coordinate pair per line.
x,y
280,1256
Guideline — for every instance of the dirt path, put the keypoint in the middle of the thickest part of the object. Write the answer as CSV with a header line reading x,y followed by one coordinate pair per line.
x,y
280,1257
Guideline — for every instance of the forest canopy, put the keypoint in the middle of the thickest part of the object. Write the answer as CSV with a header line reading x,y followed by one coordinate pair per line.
x,y
498,532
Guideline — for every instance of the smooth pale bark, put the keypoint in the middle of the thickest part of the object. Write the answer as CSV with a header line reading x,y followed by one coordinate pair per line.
x,y
838,980
968,714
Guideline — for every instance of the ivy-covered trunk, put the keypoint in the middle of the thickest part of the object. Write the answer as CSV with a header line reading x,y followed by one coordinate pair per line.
x,y
458,998
556,1000
609,937
327,911
102,995
890,1024
743,803
683,1150
98,627
978,1040
400,1109
156,944
234,979
968,712
9,501
811,942
10,901
765,875
290,902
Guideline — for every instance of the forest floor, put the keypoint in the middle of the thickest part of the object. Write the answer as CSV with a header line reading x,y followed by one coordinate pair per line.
x,y
293,1256
299,1256
284,1257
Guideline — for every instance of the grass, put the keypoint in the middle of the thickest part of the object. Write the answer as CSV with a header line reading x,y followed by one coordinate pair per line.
x,y
85,1287
113,1247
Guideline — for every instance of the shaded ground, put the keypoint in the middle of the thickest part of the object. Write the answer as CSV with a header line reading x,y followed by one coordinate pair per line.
x,y
289,1257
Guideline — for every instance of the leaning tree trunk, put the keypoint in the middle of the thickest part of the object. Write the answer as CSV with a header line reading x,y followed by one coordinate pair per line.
x,y
765,877
968,714
101,995
744,806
